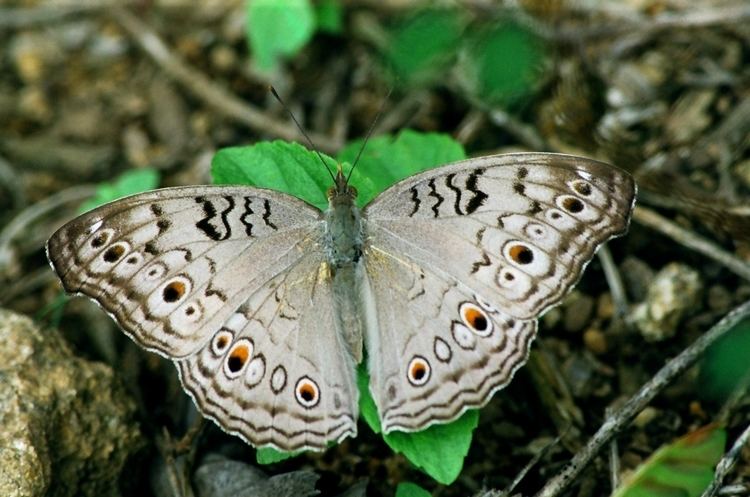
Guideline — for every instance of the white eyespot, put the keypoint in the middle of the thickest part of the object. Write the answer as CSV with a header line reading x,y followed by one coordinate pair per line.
x,y
307,392
476,319
134,259
193,311
221,341
418,373
554,216
238,357
255,371
176,289
278,379
442,350
463,336
155,271
507,277
535,230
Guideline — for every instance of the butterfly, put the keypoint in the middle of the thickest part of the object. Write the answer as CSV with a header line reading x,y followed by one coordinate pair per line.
x,y
267,304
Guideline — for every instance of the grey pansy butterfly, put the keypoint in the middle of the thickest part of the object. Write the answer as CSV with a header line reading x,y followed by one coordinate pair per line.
x,y
265,303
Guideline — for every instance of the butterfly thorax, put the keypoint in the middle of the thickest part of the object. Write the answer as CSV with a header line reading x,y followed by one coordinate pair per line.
x,y
343,236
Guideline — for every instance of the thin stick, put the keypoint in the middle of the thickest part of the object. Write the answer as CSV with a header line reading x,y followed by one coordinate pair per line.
x,y
612,275
301,130
622,417
202,87
727,463
614,458
687,238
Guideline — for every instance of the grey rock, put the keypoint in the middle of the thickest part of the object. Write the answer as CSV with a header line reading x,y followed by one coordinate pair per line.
x,y
67,424
221,477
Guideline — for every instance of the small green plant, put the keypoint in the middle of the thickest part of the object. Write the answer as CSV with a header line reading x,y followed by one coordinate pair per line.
x,y
129,183
408,489
289,167
281,28
684,467
725,365
498,62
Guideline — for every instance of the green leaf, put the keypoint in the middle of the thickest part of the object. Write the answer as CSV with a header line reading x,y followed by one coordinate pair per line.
x,y
408,489
269,455
330,16
683,468
129,183
278,28
439,450
387,160
278,165
502,65
725,364
422,47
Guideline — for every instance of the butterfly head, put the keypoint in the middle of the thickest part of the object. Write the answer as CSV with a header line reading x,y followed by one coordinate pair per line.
x,y
341,190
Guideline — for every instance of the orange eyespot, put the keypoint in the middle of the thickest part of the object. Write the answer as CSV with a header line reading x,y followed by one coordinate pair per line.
x,y
572,204
238,357
476,319
521,254
174,291
307,392
419,371
113,253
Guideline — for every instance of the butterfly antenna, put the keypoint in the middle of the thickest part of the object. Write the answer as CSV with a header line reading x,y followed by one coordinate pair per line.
x,y
301,130
369,133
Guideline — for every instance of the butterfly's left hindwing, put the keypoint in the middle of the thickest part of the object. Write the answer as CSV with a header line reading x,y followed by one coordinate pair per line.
x,y
278,373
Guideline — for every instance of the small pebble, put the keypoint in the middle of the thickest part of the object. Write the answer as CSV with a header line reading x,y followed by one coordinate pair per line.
x,y
33,104
605,307
645,417
223,58
577,311
595,340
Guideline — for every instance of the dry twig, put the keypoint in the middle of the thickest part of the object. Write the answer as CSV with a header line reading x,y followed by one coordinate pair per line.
x,y
215,96
687,238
